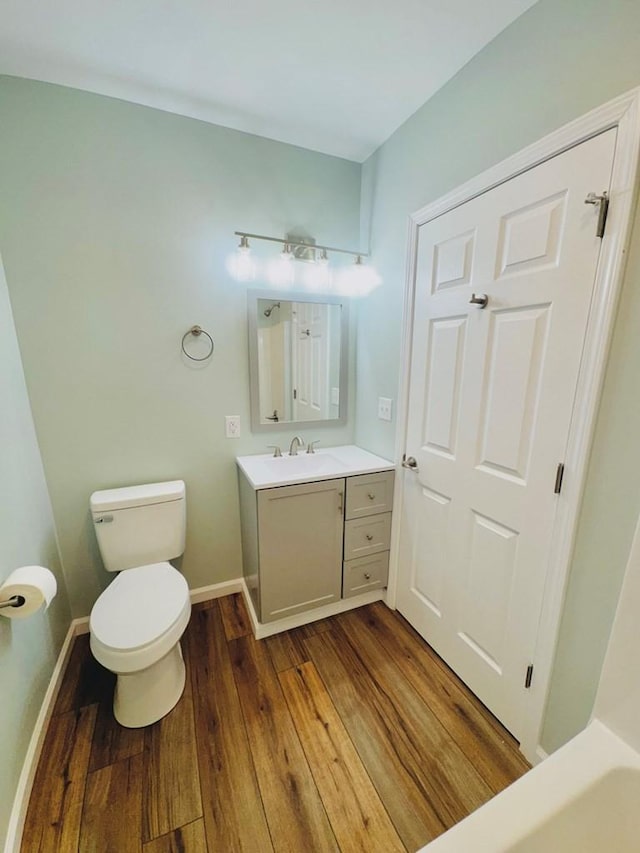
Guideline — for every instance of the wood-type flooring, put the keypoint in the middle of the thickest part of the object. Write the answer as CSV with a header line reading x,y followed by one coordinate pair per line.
x,y
348,734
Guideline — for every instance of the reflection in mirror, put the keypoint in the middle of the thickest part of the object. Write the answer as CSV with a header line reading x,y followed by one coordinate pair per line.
x,y
298,359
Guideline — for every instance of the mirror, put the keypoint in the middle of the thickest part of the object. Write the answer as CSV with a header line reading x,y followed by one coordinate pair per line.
x,y
297,359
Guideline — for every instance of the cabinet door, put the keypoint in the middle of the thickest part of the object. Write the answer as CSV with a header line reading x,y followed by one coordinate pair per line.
x,y
300,536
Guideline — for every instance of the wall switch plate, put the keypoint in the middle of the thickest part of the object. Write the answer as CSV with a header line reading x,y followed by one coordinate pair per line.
x,y
384,408
232,426
335,396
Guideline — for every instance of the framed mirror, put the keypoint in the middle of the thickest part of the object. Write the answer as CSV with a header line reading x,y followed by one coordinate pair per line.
x,y
298,353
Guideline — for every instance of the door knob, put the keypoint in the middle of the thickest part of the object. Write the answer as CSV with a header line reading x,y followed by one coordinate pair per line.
x,y
409,462
479,299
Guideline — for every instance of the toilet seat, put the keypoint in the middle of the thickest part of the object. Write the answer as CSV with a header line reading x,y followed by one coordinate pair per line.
x,y
139,617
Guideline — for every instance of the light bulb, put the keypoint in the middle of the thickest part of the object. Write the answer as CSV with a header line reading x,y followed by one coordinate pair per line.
x,y
358,280
280,271
241,265
318,275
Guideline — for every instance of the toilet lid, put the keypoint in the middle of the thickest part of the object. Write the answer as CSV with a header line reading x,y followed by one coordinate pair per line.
x,y
139,606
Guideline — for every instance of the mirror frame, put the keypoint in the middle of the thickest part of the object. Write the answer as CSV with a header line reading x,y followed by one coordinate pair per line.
x,y
252,314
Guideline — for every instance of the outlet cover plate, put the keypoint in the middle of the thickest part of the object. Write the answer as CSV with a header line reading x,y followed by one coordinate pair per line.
x,y
232,426
385,405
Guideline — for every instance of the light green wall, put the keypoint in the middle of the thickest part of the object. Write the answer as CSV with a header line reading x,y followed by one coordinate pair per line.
x,y
562,58
29,647
115,224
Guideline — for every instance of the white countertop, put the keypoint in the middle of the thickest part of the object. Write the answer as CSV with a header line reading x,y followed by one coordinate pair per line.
x,y
264,471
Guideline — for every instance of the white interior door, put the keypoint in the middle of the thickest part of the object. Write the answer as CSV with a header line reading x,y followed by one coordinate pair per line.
x,y
490,402
311,388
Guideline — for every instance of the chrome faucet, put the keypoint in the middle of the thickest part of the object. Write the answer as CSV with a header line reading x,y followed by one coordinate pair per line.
x,y
296,442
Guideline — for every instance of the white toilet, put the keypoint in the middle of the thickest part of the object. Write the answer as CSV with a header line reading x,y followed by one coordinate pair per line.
x,y
137,622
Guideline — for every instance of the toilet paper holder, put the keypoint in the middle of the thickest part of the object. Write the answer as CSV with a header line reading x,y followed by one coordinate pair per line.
x,y
14,601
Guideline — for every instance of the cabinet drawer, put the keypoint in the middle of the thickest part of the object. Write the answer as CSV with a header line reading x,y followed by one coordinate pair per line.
x,y
364,574
369,494
364,536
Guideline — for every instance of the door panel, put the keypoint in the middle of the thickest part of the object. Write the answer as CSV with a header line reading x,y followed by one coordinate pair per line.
x,y
489,581
516,356
530,238
491,393
452,261
431,546
447,338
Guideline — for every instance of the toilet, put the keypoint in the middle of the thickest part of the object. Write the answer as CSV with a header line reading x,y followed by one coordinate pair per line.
x,y
136,624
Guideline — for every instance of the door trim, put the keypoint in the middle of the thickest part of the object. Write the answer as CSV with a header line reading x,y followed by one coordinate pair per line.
x,y
622,113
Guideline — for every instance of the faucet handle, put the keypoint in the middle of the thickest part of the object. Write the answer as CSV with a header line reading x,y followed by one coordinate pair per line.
x,y
310,445
276,449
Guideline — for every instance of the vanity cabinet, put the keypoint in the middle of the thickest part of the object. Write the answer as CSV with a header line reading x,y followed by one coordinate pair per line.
x,y
297,547
311,544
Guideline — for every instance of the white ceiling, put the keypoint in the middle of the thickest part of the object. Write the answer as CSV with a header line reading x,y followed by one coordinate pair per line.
x,y
337,76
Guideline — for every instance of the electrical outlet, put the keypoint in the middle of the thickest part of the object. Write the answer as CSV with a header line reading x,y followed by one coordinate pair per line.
x,y
384,408
232,426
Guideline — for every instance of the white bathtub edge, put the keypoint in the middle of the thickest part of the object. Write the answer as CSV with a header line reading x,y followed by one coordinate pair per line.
x,y
539,794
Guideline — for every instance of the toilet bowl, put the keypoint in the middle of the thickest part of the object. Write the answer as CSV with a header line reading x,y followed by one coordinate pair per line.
x,y
135,628
136,624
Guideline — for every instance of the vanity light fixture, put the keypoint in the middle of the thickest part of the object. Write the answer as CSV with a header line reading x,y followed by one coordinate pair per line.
x,y
357,280
290,244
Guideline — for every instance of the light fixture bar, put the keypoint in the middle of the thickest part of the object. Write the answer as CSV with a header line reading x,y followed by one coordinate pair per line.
x,y
288,242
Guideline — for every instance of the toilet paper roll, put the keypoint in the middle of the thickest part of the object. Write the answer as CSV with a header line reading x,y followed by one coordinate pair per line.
x,y
35,584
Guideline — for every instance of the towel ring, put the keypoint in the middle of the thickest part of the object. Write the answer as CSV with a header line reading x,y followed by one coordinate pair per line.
x,y
196,331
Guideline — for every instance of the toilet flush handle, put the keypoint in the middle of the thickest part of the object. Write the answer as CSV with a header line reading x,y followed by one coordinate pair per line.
x,y
104,519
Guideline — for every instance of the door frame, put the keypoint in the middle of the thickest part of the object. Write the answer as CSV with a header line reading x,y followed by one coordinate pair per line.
x,y
622,113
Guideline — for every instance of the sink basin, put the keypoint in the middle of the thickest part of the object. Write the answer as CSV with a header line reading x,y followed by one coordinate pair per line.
x,y
265,471
302,464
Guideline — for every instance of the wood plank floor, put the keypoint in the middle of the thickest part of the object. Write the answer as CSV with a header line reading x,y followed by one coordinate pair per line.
x,y
349,734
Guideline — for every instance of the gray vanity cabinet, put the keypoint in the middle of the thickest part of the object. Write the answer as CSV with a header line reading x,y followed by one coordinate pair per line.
x,y
311,544
297,549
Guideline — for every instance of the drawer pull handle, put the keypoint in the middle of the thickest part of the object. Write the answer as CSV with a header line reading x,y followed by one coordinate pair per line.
x,y
369,536
367,576
371,496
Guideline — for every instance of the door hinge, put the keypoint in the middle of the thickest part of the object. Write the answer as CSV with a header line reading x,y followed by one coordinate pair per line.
x,y
603,202
528,676
295,393
559,478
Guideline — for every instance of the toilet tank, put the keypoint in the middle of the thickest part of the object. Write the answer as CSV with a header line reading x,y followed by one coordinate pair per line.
x,y
138,525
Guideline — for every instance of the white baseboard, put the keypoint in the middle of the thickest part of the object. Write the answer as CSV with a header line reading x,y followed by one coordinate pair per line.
x,y
215,590
81,625
202,593
25,782
268,629
540,755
